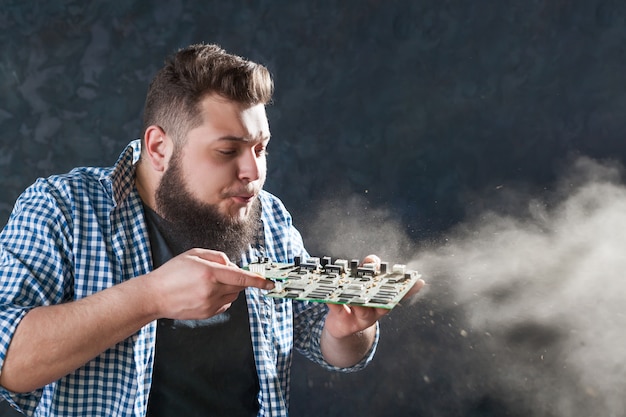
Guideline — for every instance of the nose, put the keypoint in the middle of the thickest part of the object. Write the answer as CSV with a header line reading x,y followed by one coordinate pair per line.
x,y
250,166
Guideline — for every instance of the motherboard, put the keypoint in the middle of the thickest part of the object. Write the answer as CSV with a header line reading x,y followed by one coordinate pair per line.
x,y
339,281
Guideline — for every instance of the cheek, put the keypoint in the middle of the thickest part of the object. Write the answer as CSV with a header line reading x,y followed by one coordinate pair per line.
x,y
262,165
206,182
263,168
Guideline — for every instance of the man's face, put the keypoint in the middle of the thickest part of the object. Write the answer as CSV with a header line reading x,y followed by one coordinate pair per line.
x,y
223,160
209,190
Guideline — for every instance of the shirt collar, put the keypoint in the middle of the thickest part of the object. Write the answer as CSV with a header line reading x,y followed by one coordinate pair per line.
x,y
120,181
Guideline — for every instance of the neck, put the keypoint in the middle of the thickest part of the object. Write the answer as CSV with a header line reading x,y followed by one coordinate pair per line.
x,y
146,183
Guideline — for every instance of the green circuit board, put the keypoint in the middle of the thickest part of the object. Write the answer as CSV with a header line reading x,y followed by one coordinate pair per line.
x,y
340,281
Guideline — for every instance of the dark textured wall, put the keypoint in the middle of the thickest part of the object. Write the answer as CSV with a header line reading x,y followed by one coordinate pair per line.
x,y
407,108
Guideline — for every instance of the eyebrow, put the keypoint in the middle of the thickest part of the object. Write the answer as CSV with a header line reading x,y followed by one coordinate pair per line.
x,y
243,140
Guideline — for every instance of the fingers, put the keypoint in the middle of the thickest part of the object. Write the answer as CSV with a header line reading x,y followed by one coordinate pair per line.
x,y
372,259
344,320
222,309
227,273
419,284
369,314
362,314
211,255
241,278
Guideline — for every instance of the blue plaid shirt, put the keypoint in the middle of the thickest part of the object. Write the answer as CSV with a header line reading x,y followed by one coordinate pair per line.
x,y
72,235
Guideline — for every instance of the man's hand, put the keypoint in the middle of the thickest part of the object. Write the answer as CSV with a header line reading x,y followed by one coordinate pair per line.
x,y
200,283
194,285
349,331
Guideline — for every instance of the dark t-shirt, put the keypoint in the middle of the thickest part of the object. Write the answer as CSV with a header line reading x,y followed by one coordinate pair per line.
x,y
201,367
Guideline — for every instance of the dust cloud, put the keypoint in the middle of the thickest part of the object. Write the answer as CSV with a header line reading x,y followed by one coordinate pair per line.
x,y
535,297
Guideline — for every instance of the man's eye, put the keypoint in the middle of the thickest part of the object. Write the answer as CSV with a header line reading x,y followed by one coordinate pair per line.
x,y
227,152
261,151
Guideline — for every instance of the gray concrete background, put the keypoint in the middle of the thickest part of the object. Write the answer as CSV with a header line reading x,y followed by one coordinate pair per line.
x,y
392,123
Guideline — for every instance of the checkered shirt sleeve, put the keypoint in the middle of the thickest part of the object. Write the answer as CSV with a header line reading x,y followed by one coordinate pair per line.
x,y
67,238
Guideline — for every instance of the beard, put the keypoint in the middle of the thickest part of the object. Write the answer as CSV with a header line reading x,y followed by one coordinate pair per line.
x,y
193,224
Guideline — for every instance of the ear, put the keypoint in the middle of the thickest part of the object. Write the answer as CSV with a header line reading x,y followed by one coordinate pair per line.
x,y
158,147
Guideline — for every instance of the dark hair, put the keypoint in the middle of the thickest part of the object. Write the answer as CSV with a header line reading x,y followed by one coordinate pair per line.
x,y
173,98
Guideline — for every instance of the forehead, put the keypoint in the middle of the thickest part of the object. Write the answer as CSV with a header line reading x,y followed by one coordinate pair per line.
x,y
225,118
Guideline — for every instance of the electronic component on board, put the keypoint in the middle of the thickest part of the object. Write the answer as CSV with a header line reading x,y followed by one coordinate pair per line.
x,y
339,282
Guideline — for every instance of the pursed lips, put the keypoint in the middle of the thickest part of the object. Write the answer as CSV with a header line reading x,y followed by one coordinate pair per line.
x,y
244,197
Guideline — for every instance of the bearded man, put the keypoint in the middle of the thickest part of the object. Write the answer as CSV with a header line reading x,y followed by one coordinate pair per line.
x,y
121,288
